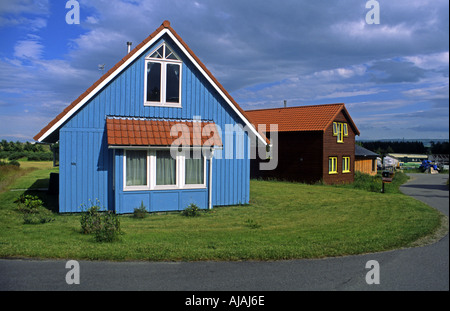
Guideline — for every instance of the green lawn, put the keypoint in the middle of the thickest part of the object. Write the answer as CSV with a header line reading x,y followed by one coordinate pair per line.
x,y
283,221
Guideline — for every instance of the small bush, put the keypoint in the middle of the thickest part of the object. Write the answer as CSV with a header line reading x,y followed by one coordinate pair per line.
x,y
14,163
108,229
28,203
104,225
90,220
191,211
32,210
141,211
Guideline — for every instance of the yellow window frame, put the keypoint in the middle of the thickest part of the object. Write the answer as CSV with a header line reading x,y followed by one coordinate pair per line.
x,y
340,136
345,164
335,129
332,165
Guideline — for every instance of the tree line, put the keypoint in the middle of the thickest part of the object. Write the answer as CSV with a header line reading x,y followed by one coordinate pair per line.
x,y
32,152
415,147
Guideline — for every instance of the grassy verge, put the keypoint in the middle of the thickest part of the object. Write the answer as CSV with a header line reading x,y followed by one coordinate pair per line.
x,y
283,221
374,183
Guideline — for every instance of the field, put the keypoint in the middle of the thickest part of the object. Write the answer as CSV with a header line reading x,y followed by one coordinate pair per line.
x,y
283,221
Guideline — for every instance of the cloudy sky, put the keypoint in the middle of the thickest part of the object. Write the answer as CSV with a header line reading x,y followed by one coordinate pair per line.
x,y
392,76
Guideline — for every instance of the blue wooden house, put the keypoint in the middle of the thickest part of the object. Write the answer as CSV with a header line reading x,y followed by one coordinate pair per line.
x,y
157,128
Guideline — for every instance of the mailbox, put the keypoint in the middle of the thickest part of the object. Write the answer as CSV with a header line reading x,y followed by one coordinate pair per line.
x,y
387,176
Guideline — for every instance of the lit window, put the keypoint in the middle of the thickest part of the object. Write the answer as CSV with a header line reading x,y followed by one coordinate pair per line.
x,y
163,78
332,165
345,164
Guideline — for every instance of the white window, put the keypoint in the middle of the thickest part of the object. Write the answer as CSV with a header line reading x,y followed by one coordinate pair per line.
x,y
136,172
194,169
158,170
166,168
162,81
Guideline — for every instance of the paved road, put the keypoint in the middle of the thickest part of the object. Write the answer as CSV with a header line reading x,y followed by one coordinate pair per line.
x,y
421,268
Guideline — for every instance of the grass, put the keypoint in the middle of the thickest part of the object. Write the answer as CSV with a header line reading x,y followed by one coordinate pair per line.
x,y
283,221
374,183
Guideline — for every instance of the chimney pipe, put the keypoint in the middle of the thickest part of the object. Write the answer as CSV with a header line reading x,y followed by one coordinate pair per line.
x,y
129,46
285,103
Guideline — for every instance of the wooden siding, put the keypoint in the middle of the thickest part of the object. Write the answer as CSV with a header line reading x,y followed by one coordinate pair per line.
x,y
331,148
85,170
83,139
303,156
299,158
365,166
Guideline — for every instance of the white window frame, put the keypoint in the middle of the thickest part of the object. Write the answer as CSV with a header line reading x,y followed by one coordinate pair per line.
x,y
164,62
151,173
183,175
135,188
177,171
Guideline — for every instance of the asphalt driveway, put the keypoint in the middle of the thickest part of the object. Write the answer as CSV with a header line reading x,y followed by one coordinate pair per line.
x,y
420,268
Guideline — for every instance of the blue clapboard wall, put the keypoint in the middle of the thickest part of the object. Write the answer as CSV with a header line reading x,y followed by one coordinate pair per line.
x,y
90,171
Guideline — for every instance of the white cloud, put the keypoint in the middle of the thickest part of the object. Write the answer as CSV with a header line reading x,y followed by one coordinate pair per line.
x,y
28,49
430,61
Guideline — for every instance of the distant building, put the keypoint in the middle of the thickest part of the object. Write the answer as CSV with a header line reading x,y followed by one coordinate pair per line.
x,y
365,161
409,160
315,143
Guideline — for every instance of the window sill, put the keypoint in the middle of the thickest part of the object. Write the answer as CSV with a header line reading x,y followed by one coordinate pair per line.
x,y
332,173
171,105
159,188
136,188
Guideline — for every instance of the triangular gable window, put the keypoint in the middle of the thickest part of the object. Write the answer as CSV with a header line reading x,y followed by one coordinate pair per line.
x,y
164,52
163,78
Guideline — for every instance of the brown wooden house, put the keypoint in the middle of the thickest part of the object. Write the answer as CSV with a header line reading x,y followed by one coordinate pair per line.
x,y
365,161
315,143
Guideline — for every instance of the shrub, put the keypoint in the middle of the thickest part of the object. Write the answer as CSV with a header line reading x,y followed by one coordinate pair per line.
x,y
16,155
28,203
141,211
191,211
32,210
90,219
14,162
108,229
104,225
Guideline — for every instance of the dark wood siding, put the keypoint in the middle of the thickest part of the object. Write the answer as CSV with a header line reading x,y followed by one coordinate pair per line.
x,y
331,148
299,158
303,156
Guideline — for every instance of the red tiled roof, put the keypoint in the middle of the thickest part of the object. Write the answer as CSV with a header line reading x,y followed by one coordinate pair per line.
x,y
111,72
302,118
144,132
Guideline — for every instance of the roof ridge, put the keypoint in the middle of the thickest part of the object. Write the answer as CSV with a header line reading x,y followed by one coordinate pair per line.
x,y
296,107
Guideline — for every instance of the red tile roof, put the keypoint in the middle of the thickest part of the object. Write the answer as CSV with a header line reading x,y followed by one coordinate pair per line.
x,y
112,71
146,132
302,118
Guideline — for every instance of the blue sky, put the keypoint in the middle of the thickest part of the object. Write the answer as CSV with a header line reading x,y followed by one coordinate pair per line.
x,y
392,76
